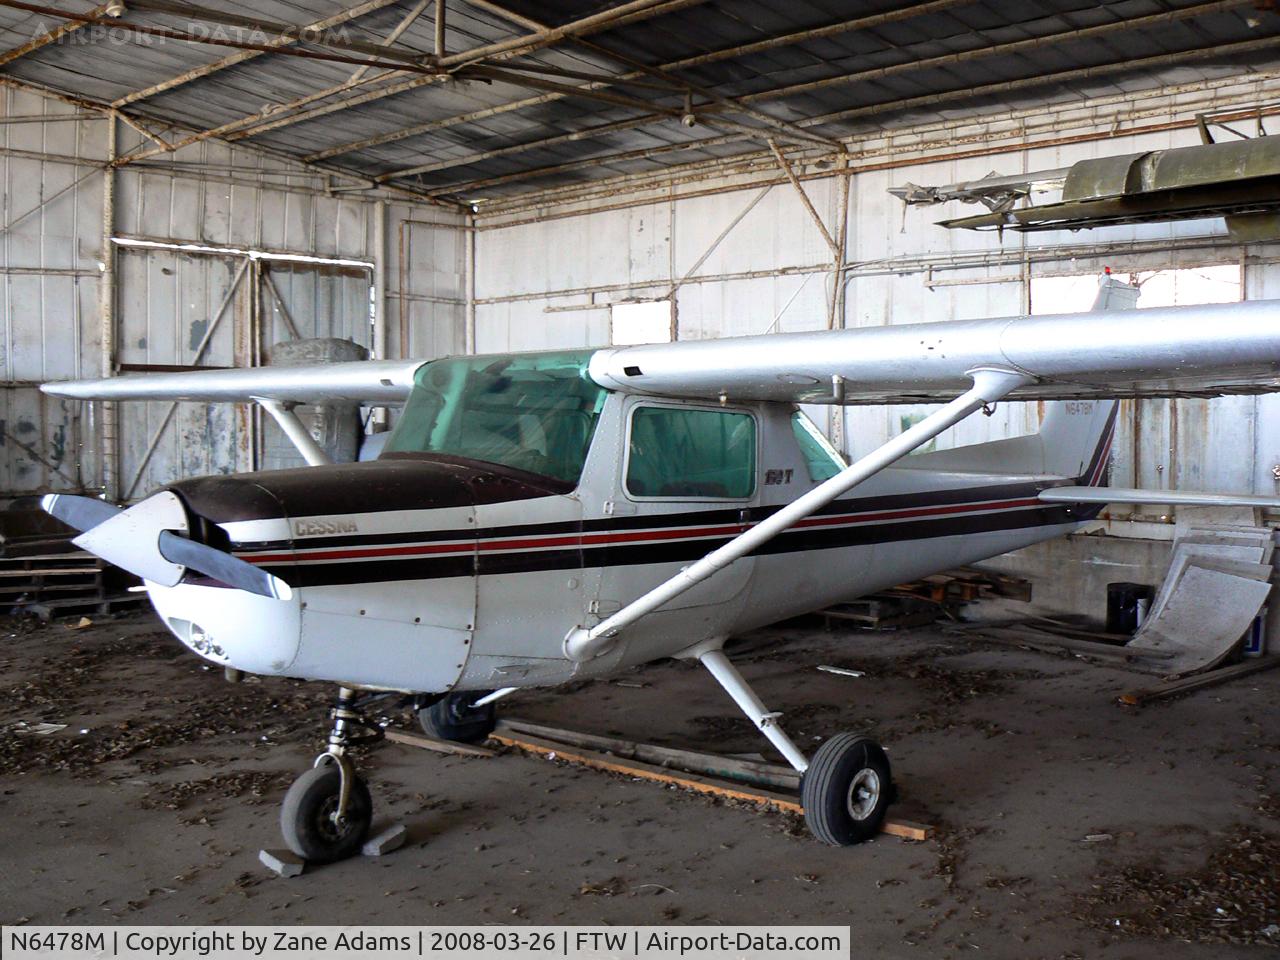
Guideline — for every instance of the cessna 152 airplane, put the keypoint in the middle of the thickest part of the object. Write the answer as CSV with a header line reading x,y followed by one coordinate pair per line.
x,y
540,517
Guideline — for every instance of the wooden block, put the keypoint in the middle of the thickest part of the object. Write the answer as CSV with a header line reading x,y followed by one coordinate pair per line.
x,y
908,829
439,746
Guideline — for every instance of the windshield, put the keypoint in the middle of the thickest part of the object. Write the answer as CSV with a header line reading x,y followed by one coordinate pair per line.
x,y
534,412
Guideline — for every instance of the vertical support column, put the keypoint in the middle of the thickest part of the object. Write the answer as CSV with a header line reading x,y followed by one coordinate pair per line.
x,y
469,324
440,24
257,355
381,215
110,449
839,286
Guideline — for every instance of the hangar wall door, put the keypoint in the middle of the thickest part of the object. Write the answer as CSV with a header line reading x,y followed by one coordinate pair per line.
x,y
179,309
302,299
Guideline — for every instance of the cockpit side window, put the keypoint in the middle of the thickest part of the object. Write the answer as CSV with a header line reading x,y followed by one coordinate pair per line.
x,y
532,412
688,453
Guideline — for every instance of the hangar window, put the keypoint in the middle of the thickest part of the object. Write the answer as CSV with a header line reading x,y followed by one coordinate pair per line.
x,y
647,322
1186,287
682,453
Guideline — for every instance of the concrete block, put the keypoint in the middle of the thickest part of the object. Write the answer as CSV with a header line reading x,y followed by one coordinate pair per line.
x,y
284,862
393,838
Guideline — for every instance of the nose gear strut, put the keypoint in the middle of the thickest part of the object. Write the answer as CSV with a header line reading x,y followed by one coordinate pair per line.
x,y
327,811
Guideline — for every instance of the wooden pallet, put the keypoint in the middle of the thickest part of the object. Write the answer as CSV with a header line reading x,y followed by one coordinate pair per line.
x,y
926,600
49,576
883,612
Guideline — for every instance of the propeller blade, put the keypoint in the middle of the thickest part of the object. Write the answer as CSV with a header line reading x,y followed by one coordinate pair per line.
x,y
222,566
83,513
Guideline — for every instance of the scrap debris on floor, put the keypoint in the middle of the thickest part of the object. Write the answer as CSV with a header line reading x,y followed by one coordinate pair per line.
x,y
1218,581
155,795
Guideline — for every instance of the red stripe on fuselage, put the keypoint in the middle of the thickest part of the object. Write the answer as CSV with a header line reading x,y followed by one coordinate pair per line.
x,y
573,540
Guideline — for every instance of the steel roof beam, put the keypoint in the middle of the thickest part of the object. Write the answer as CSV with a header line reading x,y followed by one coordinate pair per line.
x,y
284,31
253,125
610,19
369,6
914,65
579,194
331,170
1012,47
666,75
52,36
859,23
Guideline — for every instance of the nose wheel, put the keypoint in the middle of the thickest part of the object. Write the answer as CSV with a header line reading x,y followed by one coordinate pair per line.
x,y
315,823
327,811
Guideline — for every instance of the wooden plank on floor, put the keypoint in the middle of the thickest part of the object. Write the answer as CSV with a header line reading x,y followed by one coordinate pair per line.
x,y
906,829
1136,698
768,775
439,746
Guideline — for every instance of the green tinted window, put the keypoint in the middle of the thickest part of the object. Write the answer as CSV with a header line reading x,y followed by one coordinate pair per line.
x,y
819,456
691,453
534,412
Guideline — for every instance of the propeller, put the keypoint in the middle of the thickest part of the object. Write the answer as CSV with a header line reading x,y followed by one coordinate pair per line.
x,y
147,540
221,566
83,513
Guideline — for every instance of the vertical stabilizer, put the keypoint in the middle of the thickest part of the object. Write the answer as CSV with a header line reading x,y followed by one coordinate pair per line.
x,y
1075,435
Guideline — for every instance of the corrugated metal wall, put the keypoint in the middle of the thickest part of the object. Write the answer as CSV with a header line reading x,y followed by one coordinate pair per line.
x,y
549,283
213,196
546,283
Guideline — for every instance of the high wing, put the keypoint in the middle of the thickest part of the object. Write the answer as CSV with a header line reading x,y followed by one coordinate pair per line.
x,y
387,381
1171,352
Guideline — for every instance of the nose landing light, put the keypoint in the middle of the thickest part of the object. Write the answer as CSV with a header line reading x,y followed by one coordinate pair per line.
x,y
197,638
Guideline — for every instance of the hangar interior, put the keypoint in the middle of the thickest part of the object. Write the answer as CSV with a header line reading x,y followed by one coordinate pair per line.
x,y
257,196
193,185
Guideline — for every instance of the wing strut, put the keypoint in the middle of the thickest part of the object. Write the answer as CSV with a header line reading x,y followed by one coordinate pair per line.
x,y
989,385
298,435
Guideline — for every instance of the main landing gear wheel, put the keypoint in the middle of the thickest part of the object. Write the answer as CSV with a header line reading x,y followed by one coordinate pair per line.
x,y
846,790
454,718
309,818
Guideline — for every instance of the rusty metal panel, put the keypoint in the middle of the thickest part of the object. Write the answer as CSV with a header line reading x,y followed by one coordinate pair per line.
x,y
169,301
40,443
426,284
321,300
48,300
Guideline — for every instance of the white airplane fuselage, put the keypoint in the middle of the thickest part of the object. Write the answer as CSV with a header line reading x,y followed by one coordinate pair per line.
x,y
404,580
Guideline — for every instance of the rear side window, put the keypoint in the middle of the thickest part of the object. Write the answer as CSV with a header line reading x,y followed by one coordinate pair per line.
x,y
691,453
820,456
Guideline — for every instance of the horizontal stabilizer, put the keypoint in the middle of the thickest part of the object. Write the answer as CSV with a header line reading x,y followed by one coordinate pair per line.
x,y
1178,498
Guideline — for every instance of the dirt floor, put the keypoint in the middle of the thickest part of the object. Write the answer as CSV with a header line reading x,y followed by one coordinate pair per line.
x,y
1068,826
